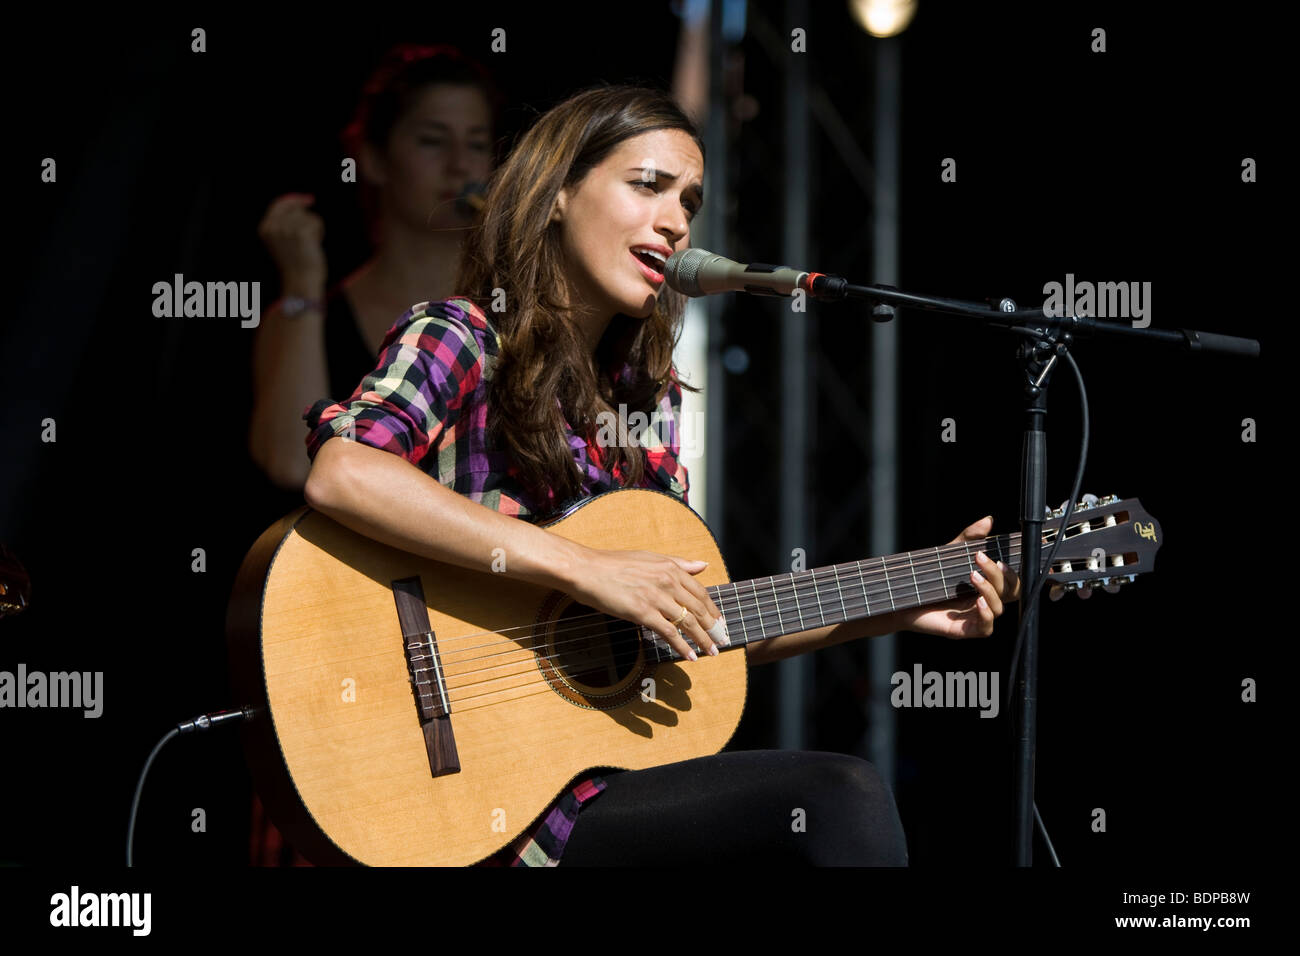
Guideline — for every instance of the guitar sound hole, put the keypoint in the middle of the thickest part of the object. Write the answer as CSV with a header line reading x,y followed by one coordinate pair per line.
x,y
593,650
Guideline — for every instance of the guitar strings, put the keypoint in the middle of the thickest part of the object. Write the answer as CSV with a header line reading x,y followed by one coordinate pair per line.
x,y
925,584
930,559
739,622
800,588
738,619
1010,541
529,660
926,596
535,678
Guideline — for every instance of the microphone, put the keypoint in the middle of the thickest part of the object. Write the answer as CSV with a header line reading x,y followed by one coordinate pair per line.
x,y
697,272
470,200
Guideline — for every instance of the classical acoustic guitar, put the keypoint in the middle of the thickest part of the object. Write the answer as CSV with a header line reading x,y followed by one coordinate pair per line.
x,y
410,712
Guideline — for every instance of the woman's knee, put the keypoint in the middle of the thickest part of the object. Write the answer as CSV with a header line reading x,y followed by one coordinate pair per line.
x,y
854,810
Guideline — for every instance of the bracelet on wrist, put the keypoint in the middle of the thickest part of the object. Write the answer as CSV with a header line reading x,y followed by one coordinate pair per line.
x,y
292,305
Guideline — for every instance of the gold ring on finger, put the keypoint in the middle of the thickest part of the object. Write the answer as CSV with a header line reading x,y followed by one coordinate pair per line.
x,y
682,618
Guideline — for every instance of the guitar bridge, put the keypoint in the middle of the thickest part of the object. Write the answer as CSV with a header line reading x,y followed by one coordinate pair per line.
x,y
424,667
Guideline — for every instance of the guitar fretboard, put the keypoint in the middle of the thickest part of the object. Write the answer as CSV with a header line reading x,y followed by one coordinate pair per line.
x,y
762,608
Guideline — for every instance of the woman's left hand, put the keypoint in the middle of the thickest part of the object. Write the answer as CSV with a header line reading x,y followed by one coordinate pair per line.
x,y
961,617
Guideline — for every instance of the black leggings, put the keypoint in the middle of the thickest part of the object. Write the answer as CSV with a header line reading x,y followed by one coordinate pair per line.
x,y
742,807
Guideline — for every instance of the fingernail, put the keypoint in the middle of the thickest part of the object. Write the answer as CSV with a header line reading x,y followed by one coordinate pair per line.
x,y
1001,566
690,656
978,576
981,554
713,650
718,632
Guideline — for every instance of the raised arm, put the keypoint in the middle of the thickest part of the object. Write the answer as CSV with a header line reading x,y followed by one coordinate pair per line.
x,y
289,363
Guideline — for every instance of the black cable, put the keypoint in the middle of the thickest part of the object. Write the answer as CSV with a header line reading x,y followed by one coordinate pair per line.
x,y
202,722
139,786
1042,828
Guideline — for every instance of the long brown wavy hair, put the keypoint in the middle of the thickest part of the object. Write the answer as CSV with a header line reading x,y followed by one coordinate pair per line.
x,y
514,247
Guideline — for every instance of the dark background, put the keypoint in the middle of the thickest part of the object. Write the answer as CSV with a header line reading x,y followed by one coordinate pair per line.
x,y
1122,166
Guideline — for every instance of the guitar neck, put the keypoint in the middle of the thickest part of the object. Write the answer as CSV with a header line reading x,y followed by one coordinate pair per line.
x,y
762,608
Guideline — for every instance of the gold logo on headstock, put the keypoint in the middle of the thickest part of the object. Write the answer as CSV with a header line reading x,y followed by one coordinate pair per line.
x,y
1149,532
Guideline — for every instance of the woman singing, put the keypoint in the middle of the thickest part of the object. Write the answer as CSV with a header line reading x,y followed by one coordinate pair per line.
x,y
483,410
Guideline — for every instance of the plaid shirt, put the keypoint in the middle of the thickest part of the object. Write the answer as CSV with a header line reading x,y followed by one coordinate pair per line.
x,y
426,400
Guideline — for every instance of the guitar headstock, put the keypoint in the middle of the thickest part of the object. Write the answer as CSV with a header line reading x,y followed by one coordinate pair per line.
x,y
1107,543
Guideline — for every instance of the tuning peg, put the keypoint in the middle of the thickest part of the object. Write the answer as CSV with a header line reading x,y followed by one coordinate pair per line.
x,y
1112,588
1055,592
1085,592
1089,501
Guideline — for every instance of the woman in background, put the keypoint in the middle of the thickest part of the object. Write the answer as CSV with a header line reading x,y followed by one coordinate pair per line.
x,y
423,130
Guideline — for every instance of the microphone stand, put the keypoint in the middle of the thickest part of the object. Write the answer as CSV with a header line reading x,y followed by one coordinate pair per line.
x,y
1045,339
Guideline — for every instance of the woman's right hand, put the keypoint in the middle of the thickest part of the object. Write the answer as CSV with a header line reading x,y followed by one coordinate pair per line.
x,y
652,589
295,238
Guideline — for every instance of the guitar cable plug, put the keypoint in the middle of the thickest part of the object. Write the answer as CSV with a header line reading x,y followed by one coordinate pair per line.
x,y
202,722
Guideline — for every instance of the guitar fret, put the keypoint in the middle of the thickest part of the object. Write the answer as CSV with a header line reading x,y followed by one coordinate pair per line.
x,y
735,593
753,587
727,612
717,599
776,598
740,613
888,586
794,586
863,581
943,578
915,583
817,594
840,591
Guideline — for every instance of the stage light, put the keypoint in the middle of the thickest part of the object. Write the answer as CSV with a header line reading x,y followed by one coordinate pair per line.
x,y
883,18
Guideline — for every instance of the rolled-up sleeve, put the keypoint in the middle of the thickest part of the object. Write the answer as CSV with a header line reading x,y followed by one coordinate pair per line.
x,y
429,363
